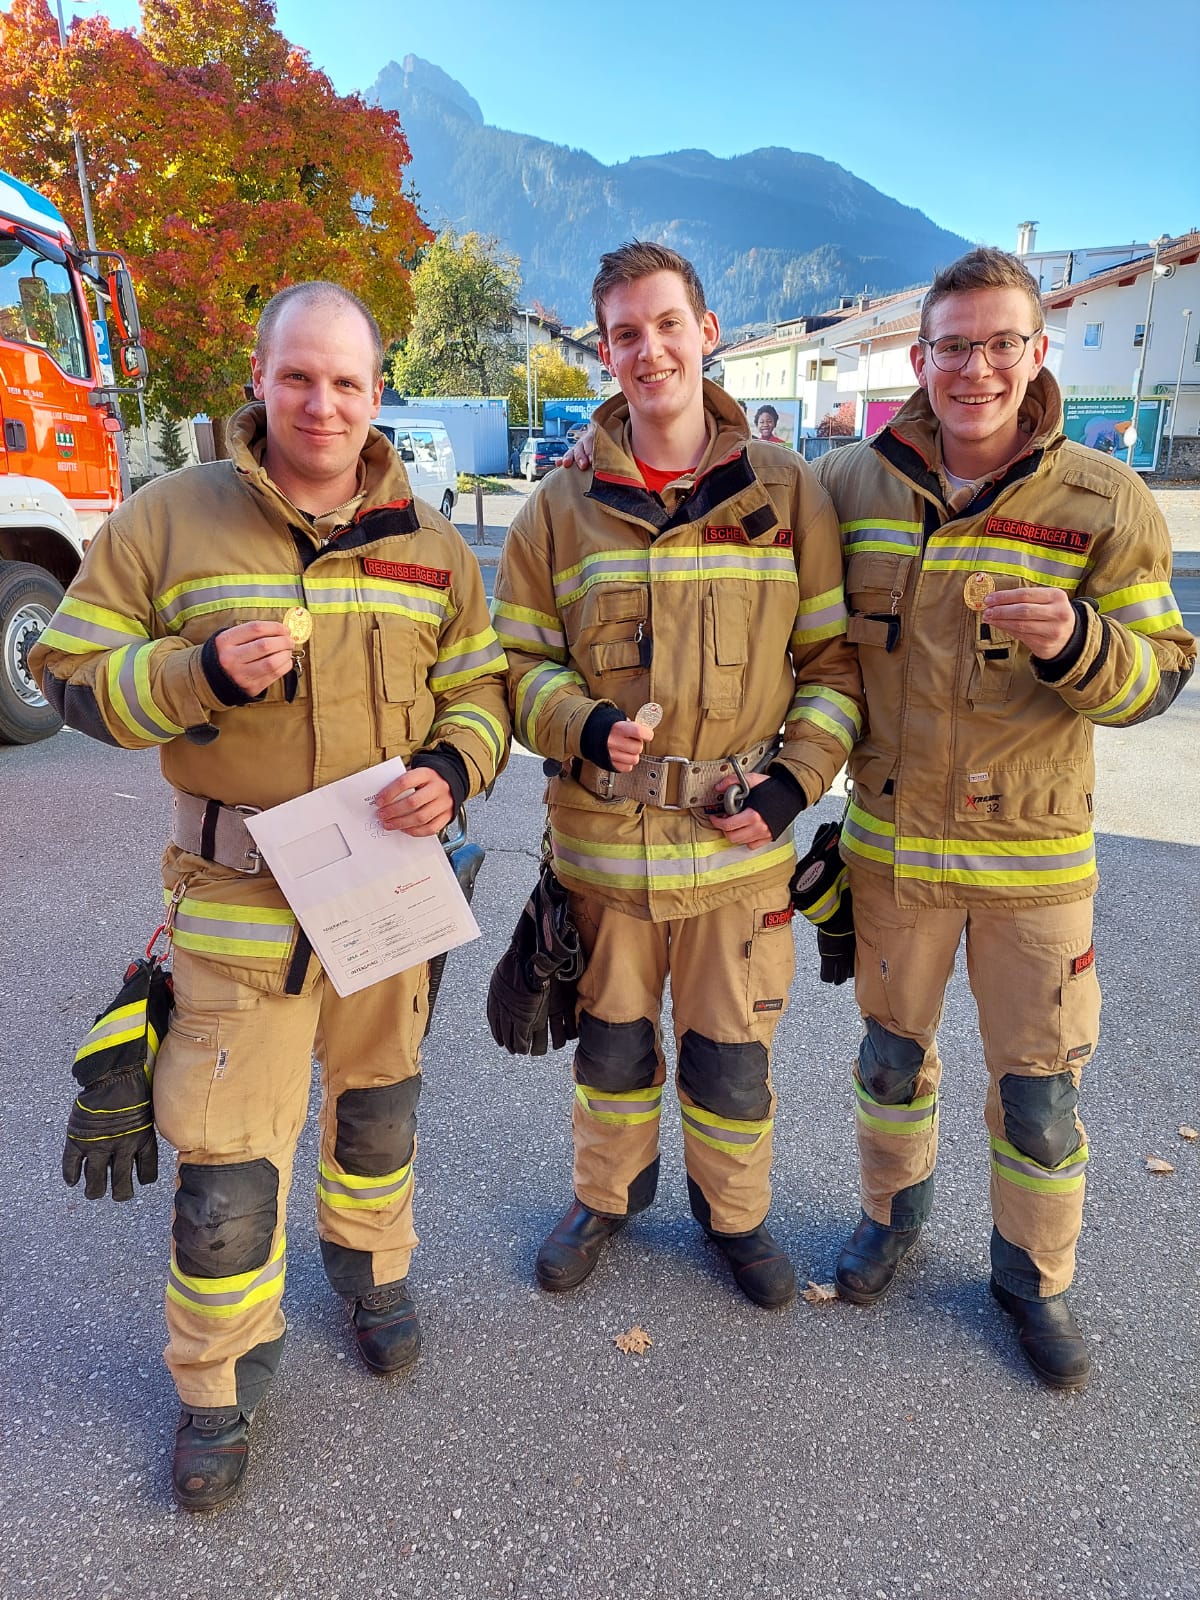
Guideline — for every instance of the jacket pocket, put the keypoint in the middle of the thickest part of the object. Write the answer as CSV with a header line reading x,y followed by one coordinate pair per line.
x,y
875,587
614,635
1001,791
726,649
394,657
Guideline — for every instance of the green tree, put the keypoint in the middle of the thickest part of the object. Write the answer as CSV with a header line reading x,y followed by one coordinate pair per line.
x,y
171,448
553,379
223,166
460,341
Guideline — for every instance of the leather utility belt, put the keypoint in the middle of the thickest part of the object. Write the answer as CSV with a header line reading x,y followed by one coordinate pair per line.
x,y
673,783
216,833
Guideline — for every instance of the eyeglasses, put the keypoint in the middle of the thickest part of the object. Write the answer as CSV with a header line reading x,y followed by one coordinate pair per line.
x,y
1003,350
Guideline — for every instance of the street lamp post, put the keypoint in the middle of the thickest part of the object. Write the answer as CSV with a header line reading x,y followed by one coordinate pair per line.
x,y
527,313
1187,321
1141,366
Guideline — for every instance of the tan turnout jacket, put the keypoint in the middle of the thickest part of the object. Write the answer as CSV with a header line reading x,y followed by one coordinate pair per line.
x,y
973,780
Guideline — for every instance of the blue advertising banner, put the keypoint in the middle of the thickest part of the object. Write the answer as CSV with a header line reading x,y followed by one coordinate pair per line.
x,y
1102,423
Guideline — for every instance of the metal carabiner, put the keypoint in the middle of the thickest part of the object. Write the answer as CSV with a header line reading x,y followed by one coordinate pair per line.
x,y
166,928
734,797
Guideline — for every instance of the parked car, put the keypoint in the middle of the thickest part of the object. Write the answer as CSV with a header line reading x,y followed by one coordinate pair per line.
x,y
538,456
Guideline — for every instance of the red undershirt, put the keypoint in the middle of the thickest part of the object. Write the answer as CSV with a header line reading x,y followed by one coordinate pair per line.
x,y
655,480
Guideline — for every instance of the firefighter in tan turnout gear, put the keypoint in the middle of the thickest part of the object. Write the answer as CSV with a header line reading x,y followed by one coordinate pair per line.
x,y
1008,589
174,635
675,629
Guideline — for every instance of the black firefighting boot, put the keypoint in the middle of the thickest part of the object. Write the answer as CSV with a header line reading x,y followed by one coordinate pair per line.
x,y
760,1269
572,1247
1049,1337
212,1449
869,1259
386,1328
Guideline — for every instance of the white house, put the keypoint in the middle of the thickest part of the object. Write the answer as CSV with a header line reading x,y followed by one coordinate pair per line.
x,y
1106,348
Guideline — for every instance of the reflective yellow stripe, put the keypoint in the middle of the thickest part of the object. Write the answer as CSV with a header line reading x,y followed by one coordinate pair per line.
x,y
649,1100
476,720
345,1191
1017,1168
666,868
216,929
1140,685
100,1038
228,1297
911,1117
999,863
711,1127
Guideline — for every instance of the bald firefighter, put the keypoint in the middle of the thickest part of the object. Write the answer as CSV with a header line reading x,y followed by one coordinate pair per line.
x,y
273,623
675,629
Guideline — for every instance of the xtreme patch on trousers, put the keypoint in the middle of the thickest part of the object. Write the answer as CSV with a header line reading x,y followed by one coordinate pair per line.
x,y
1032,973
730,970
231,1092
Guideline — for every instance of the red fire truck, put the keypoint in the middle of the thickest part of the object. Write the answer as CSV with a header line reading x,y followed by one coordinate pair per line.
x,y
60,469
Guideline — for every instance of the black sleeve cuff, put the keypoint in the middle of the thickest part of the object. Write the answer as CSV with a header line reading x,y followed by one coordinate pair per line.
x,y
448,764
219,681
593,741
778,802
1051,668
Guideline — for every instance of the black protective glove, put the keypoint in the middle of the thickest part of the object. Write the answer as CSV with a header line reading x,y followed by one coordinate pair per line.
x,y
836,942
821,893
111,1126
531,996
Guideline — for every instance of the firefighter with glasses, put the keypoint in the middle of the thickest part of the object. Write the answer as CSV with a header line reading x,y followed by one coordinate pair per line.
x,y
1009,591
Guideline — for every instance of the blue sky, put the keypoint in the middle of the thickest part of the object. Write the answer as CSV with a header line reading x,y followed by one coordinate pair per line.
x,y
1079,114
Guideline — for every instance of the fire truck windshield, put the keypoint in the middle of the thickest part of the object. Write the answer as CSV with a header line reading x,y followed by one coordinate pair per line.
x,y
38,307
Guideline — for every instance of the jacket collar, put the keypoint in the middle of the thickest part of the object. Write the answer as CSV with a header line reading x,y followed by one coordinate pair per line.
x,y
724,469
915,427
384,482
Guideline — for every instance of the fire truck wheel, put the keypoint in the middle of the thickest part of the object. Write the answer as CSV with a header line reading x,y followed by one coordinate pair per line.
x,y
29,597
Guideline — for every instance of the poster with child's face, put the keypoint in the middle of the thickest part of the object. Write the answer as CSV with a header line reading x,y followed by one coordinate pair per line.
x,y
772,421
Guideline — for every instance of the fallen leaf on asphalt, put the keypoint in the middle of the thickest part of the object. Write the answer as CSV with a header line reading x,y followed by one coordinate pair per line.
x,y
1188,1133
634,1343
817,1293
1154,1164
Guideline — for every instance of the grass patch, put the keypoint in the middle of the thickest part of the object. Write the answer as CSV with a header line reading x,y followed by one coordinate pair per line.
x,y
468,480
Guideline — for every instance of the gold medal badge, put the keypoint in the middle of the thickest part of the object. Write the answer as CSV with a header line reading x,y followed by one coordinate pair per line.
x,y
299,624
976,590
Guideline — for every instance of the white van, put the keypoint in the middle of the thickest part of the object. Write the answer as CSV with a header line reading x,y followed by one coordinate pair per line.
x,y
427,454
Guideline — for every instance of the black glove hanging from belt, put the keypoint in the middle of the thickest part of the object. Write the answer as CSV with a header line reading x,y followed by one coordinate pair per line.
x,y
821,893
111,1126
531,997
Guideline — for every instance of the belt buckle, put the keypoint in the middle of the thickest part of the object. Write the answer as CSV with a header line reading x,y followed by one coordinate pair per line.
x,y
666,762
253,853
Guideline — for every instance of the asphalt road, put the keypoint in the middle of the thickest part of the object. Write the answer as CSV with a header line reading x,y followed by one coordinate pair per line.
x,y
823,1451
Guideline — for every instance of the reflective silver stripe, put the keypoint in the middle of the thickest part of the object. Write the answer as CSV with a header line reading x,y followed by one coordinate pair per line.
x,y
1031,1169
229,927
262,589
830,704
942,553
331,1185
898,1114
224,1297
598,1100
474,661
1008,862
434,608
650,867
550,641
64,625
719,1131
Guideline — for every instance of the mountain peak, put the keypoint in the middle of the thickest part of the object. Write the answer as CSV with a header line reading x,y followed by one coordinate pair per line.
x,y
419,77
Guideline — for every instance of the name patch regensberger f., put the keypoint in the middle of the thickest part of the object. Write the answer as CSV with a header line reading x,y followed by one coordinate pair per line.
x,y
407,572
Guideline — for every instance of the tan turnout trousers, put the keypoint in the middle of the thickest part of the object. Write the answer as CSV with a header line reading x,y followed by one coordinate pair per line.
x,y
1032,973
231,1092
730,971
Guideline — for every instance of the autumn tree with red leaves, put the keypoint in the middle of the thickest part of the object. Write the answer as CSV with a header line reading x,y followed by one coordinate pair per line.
x,y
221,163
